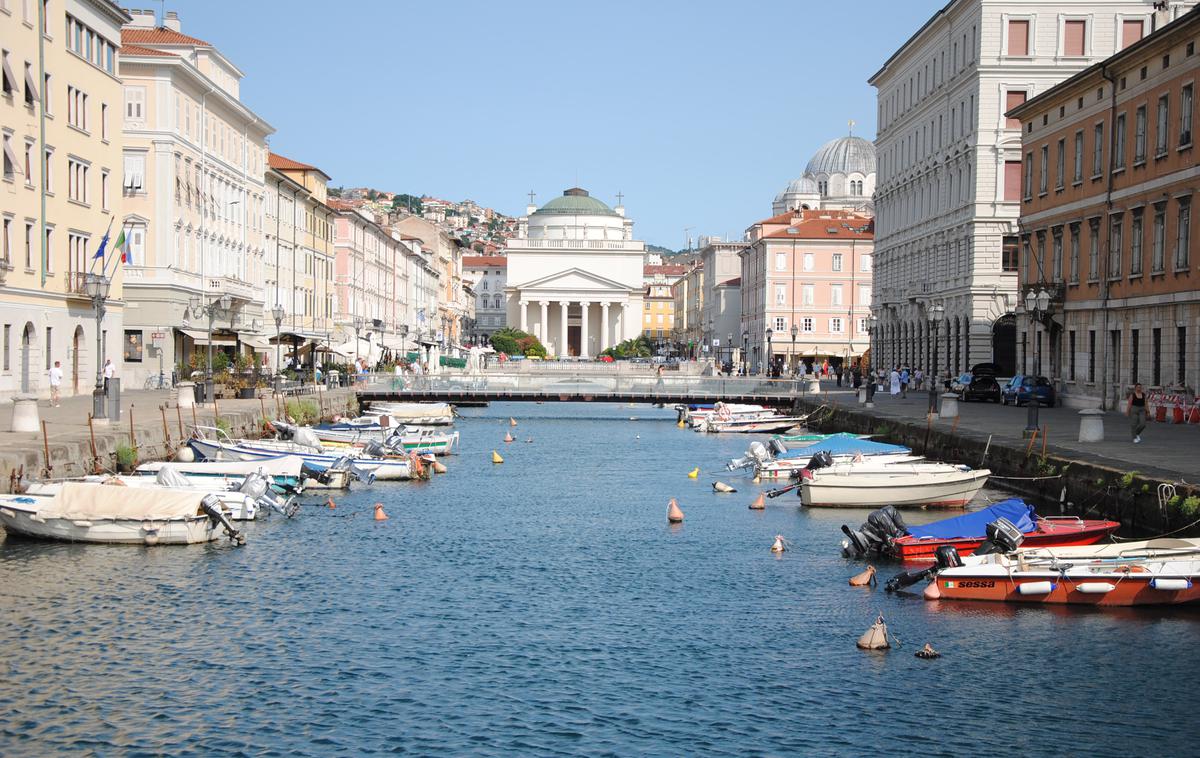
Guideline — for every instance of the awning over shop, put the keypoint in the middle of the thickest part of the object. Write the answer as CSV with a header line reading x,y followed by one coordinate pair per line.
x,y
256,341
201,337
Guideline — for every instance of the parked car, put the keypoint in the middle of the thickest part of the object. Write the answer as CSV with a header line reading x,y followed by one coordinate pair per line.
x,y
960,383
984,388
1021,387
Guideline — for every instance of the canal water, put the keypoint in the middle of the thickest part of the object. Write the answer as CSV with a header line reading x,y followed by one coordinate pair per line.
x,y
545,607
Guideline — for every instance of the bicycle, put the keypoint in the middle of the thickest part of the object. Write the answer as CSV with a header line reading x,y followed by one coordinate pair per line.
x,y
159,381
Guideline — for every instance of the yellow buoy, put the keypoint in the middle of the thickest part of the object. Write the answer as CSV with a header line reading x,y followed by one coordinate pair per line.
x,y
681,424
674,513
694,473
496,457
757,479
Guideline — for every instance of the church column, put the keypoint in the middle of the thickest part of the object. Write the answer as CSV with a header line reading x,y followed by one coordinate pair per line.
x,y
605,326
524,311
564,346
544,327
584,349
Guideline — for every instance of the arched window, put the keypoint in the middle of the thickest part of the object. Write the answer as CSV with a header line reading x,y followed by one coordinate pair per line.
x,y
823,188
484,285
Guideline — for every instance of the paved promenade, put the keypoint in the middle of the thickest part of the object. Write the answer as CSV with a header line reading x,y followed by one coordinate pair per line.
x,y
71,444
1167,451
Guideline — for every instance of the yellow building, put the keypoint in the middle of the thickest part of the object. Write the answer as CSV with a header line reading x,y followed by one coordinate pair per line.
x,y
192,179
59,117
300,249
658,316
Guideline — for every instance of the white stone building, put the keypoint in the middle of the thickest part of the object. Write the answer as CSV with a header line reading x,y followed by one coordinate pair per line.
x,y
840,176
947,199
575,275
488,275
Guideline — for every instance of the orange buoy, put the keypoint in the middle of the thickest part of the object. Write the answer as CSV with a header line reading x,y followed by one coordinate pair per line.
x,y
508,437
932,591
674,513
438,467
760,503
329,502
863,579
875,638
512,421
379,514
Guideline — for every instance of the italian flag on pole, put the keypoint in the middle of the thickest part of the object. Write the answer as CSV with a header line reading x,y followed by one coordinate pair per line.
x,y
120,245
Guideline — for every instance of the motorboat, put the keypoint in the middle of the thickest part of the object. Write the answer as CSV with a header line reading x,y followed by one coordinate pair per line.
x,y
1164,571
774,461
800,441
904,485
760,425
697,416
303,444
885,533
291,473
409,439
89,512
413,414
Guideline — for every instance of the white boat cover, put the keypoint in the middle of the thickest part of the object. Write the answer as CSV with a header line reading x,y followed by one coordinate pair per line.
x,y
284,465
169,476
82,501
413,410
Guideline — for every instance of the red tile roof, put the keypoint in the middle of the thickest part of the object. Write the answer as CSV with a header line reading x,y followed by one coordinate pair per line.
x,y
844,227
158,36
735,282
275,160
480,261
139,50
666,269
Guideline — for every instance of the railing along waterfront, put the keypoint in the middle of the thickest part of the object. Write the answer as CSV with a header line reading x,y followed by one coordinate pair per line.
x,y
578,385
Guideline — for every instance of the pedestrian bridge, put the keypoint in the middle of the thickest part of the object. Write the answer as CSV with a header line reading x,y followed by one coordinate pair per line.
x,y
581,386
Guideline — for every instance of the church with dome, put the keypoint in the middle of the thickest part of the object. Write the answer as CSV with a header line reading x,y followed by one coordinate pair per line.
x,y
575,275
840,176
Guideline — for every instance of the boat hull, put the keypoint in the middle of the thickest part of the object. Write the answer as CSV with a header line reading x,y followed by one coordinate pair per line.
x,y
1050,533
383,469
114,531
874,490
1127,589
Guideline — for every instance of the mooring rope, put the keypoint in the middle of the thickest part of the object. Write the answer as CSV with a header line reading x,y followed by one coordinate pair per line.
x,y
1026,478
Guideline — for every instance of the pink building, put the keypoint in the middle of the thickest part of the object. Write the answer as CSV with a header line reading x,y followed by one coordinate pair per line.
x,y
806,288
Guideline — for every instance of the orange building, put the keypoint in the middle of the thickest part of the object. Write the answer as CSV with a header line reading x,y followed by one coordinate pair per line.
x,y
1107,251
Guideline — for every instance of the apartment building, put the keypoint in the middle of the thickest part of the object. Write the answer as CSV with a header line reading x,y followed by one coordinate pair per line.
x,y
194,160
1109,266
658,318
371,296
721,307
806,289
949,164
488,276
60,104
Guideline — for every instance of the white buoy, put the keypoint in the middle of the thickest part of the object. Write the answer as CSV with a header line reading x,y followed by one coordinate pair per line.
x,y
722,487
779,545
185,454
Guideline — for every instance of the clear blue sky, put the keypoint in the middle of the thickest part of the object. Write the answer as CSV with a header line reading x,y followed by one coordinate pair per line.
x,y
699,112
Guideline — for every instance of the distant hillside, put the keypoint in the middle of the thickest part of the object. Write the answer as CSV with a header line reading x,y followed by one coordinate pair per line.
x,y
666,252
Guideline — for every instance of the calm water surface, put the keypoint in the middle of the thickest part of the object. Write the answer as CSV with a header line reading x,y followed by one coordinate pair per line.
x,y
544,607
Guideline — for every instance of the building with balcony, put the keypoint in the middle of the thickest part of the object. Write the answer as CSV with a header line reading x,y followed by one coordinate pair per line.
x,y
806,289
720,312
1109,266
687,295
488,276
443,323
659,315
59,191
372,298
299,238
193,192
949,164
575,275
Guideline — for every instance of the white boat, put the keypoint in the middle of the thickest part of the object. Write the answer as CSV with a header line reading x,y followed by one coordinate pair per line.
x,y
415,414
85,512
284,469
904,485
409,439
383,469
760,425
726,411
785,468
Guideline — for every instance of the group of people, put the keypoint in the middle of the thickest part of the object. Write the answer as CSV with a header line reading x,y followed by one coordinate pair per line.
x,y
55,375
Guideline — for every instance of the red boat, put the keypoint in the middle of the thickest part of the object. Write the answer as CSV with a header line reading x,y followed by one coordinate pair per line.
x,y
1050,531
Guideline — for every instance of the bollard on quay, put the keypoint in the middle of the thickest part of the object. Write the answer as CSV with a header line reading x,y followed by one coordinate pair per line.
x,y
1031,417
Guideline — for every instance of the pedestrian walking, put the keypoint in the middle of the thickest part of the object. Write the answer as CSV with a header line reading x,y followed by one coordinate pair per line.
x,y
904,377
837,371
109,371
894,382
56,377
1136,410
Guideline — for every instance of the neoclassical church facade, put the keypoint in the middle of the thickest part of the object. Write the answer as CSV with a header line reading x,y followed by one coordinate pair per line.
x,y
575,275
840,176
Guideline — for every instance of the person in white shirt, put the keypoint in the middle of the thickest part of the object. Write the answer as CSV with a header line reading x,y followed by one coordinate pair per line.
x,y
56,377
109,370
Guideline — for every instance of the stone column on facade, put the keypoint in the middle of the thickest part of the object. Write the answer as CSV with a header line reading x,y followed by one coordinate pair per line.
x,y
544,326
564,347
605,326
524,317
584,307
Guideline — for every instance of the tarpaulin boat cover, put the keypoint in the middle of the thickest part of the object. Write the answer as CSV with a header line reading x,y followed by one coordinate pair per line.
x,y
974,524
77,500
849,446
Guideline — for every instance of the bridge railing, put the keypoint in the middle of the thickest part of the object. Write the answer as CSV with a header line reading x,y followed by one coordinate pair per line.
x,y
594,385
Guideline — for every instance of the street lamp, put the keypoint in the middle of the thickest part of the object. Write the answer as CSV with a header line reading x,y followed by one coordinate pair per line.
x,y
96,286
795,331
770,331
403,329
935,317
358,325
278,313
745,349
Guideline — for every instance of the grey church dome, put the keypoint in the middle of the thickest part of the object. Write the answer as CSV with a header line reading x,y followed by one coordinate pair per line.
x,y
844,155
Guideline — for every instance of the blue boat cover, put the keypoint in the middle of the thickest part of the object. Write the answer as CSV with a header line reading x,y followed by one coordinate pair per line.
x,y
847,446
974,524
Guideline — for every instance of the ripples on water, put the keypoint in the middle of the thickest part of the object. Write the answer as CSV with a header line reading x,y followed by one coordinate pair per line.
x,y
544,607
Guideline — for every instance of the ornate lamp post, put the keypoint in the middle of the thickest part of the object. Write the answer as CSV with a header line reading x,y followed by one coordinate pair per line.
x,y
936,312
795,331
770,332
1037,304
358,325
222,304
745,350
277,312
96,286
403,329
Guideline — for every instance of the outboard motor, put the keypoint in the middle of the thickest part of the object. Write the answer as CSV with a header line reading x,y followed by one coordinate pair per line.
x,y
757,453
374,449
888,521
777,447
211,505
876,534
346,463
257,487
819,460
946,556
284,430
309,471
1003,536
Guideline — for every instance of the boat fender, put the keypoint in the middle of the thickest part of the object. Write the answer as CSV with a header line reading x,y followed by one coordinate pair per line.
x,y
379,514
185,454
674,512
1095,588
927,653
84,523
865,578
932,591
760,503
876,637
1036,588
722,487
1171,585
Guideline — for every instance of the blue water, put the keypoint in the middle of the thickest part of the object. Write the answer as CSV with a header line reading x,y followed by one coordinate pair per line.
x,y
545,607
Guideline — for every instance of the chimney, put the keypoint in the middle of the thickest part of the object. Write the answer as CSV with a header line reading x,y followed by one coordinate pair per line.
x,y
141,19
172,22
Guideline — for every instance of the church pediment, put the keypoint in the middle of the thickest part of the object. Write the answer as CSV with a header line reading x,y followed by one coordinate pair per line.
x,y
574,279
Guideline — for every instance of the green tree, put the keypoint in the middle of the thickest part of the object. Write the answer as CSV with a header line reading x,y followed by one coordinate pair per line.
x,y
516,342
372,194
638,347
